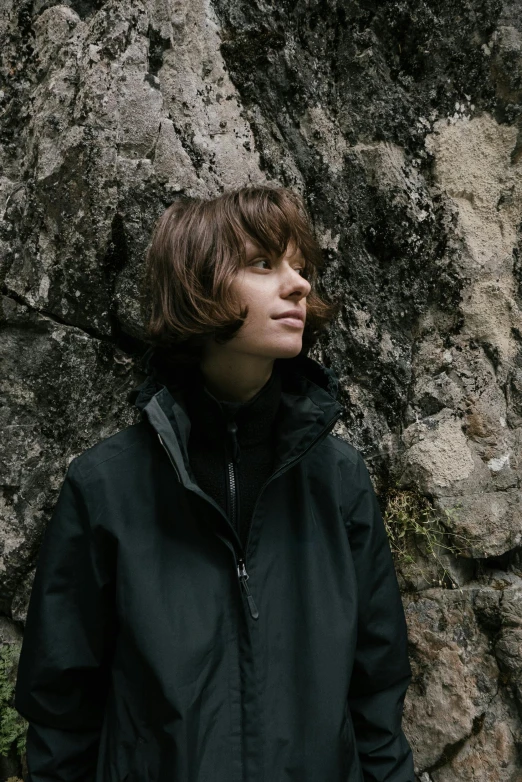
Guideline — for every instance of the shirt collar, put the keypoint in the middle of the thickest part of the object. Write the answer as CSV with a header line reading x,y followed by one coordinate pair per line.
x,y
209,415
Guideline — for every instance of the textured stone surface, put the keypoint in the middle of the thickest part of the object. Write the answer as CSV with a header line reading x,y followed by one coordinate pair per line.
x,y
401,125
465,651
75,381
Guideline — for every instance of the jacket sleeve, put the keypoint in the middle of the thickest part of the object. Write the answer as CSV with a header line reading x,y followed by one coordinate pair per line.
x,y
381,672
63,673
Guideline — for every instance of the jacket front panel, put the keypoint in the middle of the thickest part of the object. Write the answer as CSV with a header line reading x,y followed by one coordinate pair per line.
x,y
175,675
304,641
155,669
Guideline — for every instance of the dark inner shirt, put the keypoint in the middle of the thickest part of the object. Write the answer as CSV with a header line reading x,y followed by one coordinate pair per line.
x,y
210,446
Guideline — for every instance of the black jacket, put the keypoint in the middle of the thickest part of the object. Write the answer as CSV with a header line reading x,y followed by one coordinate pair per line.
x,y
158,650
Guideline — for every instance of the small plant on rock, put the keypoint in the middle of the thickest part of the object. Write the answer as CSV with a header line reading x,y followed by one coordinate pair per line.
x,y
417,531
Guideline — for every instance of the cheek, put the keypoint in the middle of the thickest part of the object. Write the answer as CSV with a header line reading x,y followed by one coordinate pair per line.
x,y
256,310
255,298
258,294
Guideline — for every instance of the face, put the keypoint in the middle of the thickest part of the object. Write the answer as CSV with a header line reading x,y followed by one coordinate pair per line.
x,y
271,287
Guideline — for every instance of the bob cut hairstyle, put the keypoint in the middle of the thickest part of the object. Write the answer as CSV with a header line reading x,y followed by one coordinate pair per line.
x,y
197,247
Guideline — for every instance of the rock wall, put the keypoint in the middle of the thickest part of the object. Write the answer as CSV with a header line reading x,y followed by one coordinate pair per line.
x,y
401,123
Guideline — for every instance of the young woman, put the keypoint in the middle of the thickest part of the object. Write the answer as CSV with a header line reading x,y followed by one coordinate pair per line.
x,y
215,598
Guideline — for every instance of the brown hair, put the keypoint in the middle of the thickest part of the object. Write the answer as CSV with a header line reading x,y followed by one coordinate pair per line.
x,y
196,249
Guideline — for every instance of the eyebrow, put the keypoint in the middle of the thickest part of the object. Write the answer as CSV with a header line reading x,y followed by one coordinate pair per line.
x,y
257,249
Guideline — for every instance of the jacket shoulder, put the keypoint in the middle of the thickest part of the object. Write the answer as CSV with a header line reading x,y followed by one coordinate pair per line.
x,y
119,444
343,448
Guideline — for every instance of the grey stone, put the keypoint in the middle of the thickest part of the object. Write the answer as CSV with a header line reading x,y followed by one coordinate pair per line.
x,y
400,124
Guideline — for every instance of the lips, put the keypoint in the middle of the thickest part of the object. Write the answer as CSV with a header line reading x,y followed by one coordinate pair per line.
x,y
293,314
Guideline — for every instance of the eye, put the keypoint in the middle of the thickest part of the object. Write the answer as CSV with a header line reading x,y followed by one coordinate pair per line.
x,y
303,270
259,260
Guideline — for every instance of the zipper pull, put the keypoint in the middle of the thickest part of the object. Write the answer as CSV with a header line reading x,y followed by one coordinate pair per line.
x,y
243,576
232,430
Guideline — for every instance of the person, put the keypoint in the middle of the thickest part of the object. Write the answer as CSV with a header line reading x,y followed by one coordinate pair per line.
x,y
215,598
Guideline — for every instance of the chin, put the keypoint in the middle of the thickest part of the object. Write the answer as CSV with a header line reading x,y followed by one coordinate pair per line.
x,y
287,351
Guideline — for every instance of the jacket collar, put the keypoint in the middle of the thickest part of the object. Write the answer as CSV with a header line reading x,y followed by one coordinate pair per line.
x,y
308,408
209,415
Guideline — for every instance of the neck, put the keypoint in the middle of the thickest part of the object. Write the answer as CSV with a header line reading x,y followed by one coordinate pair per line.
x,y
235,378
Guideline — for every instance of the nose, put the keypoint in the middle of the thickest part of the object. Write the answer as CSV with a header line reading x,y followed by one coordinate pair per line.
x,y
296,285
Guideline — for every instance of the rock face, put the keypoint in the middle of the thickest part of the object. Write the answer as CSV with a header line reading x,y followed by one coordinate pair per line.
x,y
401,124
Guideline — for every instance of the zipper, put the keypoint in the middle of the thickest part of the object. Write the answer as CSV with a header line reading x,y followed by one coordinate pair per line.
x,y
243,576
232,485
233,495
